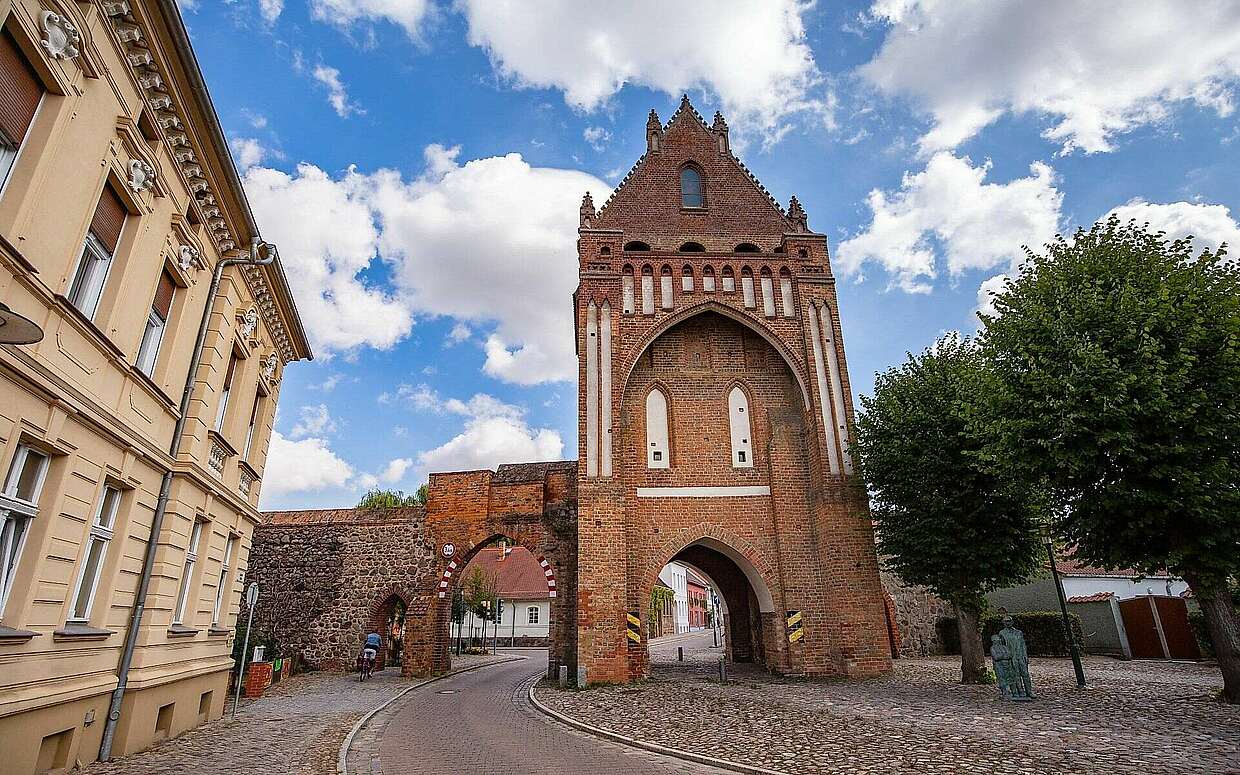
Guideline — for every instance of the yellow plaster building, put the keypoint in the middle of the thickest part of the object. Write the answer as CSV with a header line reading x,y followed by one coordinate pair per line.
x,y
119,201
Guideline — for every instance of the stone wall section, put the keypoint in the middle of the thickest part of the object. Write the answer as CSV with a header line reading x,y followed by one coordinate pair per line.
x,y
322,575
915,613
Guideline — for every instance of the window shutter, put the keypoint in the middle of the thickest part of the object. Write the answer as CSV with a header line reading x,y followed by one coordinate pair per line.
x,y
109,219
163,295
20,90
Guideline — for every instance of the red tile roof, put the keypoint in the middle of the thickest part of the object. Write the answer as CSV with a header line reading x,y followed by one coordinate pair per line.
x,y
1094,598
518,574
1070,567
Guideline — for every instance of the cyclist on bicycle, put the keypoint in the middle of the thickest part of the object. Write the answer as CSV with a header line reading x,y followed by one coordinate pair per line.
x,y
371,649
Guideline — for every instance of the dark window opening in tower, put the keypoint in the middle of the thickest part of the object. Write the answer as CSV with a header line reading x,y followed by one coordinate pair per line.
x,y
691,188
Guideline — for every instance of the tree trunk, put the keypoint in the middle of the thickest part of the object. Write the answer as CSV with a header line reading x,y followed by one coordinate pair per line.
x,y
972,655
1224,629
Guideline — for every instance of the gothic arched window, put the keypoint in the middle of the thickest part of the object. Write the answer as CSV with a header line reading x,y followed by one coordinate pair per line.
x,y
691,188
738,422
656,430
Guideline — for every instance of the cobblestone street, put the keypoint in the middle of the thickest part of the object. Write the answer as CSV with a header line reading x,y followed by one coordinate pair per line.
x,y
297,728
1148,717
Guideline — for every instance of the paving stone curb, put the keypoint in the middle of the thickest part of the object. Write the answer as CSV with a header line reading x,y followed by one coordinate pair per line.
x,y
342,759
674,753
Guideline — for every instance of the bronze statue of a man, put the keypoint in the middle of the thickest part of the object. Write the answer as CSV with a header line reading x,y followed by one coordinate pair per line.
x,y
1014,639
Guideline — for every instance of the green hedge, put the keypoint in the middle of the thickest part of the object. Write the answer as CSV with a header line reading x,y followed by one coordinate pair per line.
x,y
1043,631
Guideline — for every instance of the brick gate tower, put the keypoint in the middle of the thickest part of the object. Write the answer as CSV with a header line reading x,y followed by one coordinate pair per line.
x,y
714,417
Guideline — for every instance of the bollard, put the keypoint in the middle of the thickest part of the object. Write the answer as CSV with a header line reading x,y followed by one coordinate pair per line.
x,y
723,670
581,677
563,676
680,653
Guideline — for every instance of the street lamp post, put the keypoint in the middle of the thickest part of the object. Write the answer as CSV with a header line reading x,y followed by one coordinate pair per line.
x,y
1063,609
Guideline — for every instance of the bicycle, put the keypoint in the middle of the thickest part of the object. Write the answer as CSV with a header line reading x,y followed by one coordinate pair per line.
x,y
366,664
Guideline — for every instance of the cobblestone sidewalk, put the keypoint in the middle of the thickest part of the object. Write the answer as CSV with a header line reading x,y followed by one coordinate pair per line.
x,y
296,728
1147,717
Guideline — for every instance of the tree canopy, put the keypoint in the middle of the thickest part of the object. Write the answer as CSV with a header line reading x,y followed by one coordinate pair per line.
x,y
387,499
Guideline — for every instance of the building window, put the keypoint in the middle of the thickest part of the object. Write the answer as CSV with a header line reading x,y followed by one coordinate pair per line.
x,y
708,279
255,413
691,188
738,420
225,392
191,557
665,288
156,322
686,279
96,552
91,273
531,614
729,280
656,430
222,588
20,95
19,505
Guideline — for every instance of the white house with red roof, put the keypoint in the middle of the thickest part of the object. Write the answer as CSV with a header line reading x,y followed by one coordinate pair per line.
x,y
522,585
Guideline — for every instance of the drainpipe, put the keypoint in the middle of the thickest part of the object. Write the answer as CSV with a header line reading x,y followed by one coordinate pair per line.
x,y
257,247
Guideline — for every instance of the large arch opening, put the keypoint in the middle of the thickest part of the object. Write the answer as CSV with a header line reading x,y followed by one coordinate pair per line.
x,y
723,608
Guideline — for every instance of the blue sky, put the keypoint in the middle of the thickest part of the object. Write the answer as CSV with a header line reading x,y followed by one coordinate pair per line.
x,y
420,164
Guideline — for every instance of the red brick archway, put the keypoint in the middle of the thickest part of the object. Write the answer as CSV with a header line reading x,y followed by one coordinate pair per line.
x,y
380,612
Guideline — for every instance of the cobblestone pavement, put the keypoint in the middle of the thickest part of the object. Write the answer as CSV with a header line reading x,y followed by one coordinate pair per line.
x,y
481,723
296,727
1146,717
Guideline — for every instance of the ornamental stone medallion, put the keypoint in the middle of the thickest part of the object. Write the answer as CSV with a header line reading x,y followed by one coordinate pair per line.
x,y
60,38
141,176
187,258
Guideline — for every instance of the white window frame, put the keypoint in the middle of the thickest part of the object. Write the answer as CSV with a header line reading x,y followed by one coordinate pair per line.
x,y
102,530
249,433
87,302
532,615
152,338
187,573
218,611
226,392
11,151
16,514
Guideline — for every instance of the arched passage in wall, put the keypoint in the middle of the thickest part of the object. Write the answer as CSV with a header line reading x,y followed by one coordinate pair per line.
x,y
452,583
751,622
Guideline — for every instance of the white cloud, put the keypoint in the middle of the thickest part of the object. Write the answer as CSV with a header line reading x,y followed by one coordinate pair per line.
x,y
948,213
270,9
494,433
752,55
315,421
1095,69
409,14
250,152
516,271
395,470
329,384
327,237
459,333
308,465
337,94
986,294
1209,225
596,136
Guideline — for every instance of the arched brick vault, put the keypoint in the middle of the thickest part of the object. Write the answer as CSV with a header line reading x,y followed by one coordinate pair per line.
x,y
754,564
379,609
629,363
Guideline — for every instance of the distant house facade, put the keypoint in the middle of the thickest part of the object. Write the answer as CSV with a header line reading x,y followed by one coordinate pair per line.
x,y
676,576
697,591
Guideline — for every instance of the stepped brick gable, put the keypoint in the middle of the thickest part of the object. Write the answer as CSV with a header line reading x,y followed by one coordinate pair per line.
x,y
714,409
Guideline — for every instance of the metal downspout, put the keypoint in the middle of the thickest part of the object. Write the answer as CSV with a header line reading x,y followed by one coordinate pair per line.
x,y
148,564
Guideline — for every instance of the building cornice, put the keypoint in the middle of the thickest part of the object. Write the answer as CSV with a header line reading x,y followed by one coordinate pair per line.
x,y
173,89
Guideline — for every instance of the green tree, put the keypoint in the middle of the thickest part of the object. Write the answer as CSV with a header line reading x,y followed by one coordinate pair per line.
x,y
480,592
946,518
387,499
422,494
1117,355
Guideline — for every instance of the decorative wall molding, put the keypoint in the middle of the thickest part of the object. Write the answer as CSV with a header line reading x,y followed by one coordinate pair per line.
x,y
245,481
61,39
172,117
217,457
702,492
248,323
270,364
187,258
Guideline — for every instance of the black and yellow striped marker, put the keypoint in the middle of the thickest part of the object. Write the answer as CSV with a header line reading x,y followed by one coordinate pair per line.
x,y
795,633
635,628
